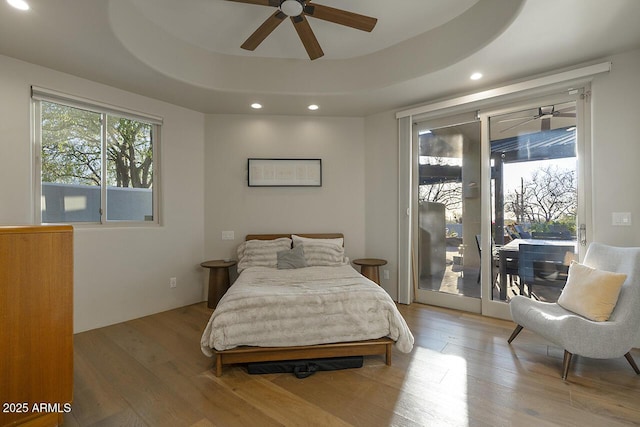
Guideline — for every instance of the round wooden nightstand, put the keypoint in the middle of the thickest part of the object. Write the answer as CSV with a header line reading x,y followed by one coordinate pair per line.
x,y
218,279
369,267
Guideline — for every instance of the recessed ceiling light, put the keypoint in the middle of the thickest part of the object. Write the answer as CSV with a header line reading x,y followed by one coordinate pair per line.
x,y
476,76
256,106
19,4
313,107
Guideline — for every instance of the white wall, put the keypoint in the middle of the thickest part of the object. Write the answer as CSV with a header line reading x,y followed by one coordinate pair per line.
x,y
616,163
616,150
381,188
230,205
120,273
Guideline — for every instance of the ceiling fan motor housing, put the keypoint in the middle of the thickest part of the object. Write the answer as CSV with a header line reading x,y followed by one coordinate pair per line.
x,y
292,7
546,110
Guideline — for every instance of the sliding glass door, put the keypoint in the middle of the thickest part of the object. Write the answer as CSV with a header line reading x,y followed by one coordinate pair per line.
x,y
447,218
486,183
535,217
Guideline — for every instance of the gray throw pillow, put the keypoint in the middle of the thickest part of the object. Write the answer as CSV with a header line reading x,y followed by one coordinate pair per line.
x,y
293,258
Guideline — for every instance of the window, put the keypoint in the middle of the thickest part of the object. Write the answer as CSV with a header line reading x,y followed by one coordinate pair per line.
x,y
95,164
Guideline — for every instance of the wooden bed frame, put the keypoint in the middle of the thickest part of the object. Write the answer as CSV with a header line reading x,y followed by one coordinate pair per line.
x,y
265,354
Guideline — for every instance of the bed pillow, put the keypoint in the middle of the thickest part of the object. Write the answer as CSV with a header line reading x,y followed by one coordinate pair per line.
x,y
299,240
323,254
291,258
261,253
590,292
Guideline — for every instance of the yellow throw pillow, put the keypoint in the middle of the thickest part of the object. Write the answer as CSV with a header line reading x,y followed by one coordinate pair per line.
x,y
590,292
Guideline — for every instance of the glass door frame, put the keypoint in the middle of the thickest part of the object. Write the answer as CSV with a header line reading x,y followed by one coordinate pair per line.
x,y
432,297
408,160
498,308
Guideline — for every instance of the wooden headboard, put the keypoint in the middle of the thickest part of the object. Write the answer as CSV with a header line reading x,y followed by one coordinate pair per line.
x,y
309,235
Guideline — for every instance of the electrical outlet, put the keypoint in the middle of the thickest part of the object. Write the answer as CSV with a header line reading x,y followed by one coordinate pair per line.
x,y
173,282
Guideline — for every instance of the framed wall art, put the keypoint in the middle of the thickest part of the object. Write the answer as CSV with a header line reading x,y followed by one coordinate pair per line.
x,y
285,172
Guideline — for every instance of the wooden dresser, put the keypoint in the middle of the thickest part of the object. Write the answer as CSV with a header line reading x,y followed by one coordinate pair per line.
x,y
36,324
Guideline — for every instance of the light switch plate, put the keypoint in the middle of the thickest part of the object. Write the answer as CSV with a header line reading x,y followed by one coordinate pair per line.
x,y
228,235
621,218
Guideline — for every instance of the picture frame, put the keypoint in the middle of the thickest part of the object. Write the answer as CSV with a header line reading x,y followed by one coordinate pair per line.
x,y
284,172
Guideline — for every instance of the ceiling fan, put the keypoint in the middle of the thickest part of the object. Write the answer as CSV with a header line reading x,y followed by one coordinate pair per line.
x,y
545,114
297,11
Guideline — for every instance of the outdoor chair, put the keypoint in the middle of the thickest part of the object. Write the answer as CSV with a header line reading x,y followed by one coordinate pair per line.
x,y
522,232
579,335
511,270
543,265
494,259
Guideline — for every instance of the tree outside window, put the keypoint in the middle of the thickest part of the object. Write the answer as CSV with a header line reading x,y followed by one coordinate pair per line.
x,y
77,152
546,200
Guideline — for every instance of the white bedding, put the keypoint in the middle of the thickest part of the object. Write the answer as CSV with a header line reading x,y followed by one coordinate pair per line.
x,y
268,307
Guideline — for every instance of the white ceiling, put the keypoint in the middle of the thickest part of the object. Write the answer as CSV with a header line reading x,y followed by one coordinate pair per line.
x,y
187,51
207,24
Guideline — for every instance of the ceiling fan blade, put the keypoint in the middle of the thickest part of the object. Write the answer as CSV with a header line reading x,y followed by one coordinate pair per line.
x,y
274,3
263,30
342,17
516,118
519,124
564,110
545,124
307,37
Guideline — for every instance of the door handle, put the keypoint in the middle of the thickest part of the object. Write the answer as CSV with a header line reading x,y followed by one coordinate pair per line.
x,y
582,235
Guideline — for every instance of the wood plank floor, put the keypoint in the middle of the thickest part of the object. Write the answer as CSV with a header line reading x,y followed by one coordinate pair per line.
x,y
462,372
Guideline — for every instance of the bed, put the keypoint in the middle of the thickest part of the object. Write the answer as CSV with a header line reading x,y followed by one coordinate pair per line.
x,y
297,297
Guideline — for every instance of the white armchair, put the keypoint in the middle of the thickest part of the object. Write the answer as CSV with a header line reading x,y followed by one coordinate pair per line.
x,y
579,335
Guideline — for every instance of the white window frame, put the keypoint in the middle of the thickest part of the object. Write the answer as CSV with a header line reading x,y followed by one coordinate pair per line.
x,y
39,95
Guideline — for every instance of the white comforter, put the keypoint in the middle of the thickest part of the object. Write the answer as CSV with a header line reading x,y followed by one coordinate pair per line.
x,y
268,307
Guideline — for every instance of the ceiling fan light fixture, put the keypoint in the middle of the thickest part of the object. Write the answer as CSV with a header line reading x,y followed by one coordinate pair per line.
x,y
292,7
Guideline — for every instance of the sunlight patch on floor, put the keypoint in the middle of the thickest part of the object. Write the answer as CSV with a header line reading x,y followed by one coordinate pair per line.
x,y
427,397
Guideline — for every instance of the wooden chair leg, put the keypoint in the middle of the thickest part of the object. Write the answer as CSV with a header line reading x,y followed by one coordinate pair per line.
x,y
565,364
632,362
515,333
